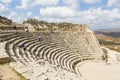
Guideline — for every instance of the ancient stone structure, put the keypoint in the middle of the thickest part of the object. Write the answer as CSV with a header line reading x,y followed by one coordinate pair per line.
x,y
62,48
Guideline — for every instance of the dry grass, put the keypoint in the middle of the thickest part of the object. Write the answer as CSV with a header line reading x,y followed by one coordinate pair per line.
x,y
112,43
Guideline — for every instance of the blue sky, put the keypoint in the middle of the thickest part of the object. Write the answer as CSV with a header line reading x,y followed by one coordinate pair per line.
x,y
98,14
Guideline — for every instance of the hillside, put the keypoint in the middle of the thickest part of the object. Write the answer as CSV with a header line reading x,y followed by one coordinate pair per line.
x,y
4,21
109,38
109,32
7,24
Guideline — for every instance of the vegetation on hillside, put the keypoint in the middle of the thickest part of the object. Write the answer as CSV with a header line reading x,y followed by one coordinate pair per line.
x,y
4,20
110,44
109,39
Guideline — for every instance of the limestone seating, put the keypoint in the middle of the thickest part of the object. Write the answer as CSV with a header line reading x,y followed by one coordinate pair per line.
x,y
36,53
45,55
72,61
32,50
14,52
25,57
2,35
9,43
43,51
66,61
14,46
22,53
53,52
59,56
7,36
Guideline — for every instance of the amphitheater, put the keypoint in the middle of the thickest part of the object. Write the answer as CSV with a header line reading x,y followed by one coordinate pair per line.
x,y
56,56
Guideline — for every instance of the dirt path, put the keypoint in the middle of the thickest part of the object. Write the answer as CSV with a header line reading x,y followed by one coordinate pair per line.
x,y
7,73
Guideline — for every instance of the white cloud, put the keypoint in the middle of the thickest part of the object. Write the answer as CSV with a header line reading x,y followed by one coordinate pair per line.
x,y
3,9
111,2
30,3
72,3
101,18
58,12
36,17
45,2
12,14
16,17
92,1
29,13
115,3
6,1
24,4
97,18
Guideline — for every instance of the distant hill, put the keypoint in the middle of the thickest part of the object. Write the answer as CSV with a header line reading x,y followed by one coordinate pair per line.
x,y
109,38
7,24
109,32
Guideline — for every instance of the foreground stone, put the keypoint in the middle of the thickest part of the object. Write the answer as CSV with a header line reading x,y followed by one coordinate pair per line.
x,y
3,55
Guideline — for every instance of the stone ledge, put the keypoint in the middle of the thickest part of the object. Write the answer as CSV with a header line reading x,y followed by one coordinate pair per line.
x,y
3,55
4,59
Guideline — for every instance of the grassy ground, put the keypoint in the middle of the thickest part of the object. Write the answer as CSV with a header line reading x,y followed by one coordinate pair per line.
x,y
20,76
113,45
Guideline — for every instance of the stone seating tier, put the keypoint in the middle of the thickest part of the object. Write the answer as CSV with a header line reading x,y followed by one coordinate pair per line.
x,y
59,50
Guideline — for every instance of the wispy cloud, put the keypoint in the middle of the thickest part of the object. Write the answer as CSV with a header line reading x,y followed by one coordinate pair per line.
x,y
58,12
45,2
29,13
6,1
24,4
92,1
3,9
115,3
72,3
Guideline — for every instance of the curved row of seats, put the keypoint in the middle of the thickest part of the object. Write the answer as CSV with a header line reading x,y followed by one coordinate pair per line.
x,y
53,52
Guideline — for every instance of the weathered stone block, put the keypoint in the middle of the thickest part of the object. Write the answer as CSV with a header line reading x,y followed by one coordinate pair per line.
x,y
4,58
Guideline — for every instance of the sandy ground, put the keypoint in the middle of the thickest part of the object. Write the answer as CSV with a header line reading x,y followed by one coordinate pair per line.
x,y
100,71
7,73
92,70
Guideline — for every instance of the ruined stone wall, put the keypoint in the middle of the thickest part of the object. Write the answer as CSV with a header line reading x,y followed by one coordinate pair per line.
x,y
63,28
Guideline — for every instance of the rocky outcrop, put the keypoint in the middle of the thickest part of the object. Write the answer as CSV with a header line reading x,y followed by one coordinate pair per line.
x,y
7,24
5,21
